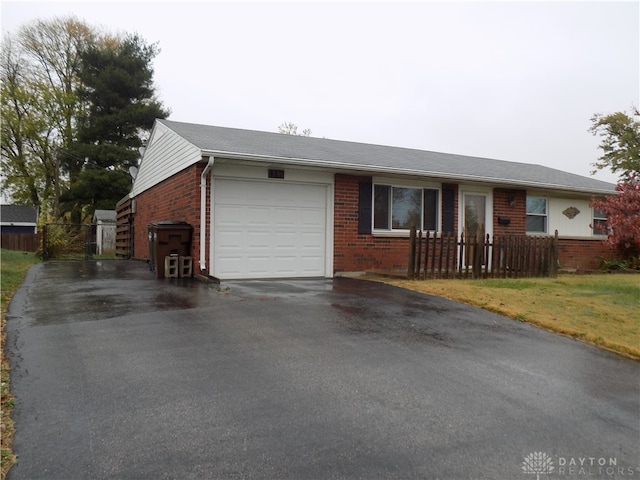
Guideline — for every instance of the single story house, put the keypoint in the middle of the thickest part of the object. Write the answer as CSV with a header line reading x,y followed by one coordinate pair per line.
x,y
105,221
271,205
18,219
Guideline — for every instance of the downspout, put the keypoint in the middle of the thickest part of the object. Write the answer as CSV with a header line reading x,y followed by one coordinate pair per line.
x,y
203,213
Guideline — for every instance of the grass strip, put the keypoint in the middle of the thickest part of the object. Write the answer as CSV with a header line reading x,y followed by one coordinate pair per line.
x,y
13,268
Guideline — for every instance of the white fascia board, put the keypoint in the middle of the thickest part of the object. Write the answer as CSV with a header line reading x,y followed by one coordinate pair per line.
x,y
403,171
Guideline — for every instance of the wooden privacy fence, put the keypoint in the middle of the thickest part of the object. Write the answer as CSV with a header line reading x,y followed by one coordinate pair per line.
x,y
466,256
23,242
124,228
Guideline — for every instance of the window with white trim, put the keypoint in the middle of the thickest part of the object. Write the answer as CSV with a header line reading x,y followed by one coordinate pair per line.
x,y
599,222
400,208
536,215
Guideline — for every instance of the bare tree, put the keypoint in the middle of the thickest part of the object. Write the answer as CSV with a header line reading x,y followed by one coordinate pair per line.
x,y
40,106
290,128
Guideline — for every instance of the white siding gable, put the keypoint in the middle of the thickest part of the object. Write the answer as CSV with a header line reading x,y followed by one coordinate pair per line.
x,y
167,153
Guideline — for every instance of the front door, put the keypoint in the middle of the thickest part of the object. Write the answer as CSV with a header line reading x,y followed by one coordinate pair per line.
x,y
474,223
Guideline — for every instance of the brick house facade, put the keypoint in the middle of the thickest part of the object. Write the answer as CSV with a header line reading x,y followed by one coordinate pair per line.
x,y
265,208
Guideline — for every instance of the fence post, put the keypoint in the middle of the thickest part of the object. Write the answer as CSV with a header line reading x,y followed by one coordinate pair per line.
x,y
417,261
433,255
554,256
487,255
460,244
442,239
412,253
426,252
477,257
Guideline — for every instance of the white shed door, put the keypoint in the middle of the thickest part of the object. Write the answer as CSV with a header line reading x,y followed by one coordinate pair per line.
x,y
268,229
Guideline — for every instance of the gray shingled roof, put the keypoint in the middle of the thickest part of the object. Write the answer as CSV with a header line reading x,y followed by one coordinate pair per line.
x,y
18,214
378,158
105,215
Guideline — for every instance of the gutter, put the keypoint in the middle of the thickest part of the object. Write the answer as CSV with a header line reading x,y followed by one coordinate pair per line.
x,y
203,212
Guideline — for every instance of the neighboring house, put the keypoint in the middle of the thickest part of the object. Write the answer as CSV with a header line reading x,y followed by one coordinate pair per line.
x,y
18,219
272,205
105,221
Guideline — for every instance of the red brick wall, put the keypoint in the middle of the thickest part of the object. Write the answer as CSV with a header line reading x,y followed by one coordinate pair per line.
x,y
175,199
582,254
511,204
354,252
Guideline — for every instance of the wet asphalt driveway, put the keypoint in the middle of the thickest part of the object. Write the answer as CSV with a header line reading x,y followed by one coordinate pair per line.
x,y
120,375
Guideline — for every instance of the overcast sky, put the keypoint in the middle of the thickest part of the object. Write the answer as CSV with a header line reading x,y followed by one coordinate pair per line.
x,y
514,81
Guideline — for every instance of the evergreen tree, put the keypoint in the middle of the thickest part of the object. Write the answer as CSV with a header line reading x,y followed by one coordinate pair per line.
x,y
117,87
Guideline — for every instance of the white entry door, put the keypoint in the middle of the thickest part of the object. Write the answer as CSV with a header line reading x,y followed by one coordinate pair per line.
x,y
268,229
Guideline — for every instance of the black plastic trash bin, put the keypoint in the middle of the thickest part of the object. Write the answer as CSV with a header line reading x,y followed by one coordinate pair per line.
x,y
168,239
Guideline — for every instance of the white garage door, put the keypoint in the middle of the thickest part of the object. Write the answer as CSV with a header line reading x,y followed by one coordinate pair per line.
x,y
268,229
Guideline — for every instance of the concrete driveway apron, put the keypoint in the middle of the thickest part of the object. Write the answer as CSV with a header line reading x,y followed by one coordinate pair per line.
x,y
120,375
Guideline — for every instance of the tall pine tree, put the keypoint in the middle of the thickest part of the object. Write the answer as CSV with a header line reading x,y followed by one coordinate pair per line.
x,y
118,90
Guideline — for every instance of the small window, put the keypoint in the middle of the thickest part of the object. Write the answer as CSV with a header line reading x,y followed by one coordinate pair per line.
x,y
400,208
536,215
599,222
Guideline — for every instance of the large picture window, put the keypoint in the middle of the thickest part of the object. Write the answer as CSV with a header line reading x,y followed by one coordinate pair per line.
x,y
536,215
400,208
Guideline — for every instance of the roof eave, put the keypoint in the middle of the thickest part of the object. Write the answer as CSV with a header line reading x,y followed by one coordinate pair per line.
x,y
403,171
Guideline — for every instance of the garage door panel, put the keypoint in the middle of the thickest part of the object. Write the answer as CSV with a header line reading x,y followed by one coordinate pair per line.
x,y
230,267
312,266
261,193
269,229
309,240
256,216
313,217
286,264
257,265
230,240
285,217
229,215
283,239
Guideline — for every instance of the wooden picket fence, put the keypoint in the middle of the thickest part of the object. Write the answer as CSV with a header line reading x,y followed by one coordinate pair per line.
x,y
505,256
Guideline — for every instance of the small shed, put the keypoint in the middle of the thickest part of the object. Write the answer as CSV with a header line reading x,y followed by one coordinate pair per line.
x,y
18,219
105,221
